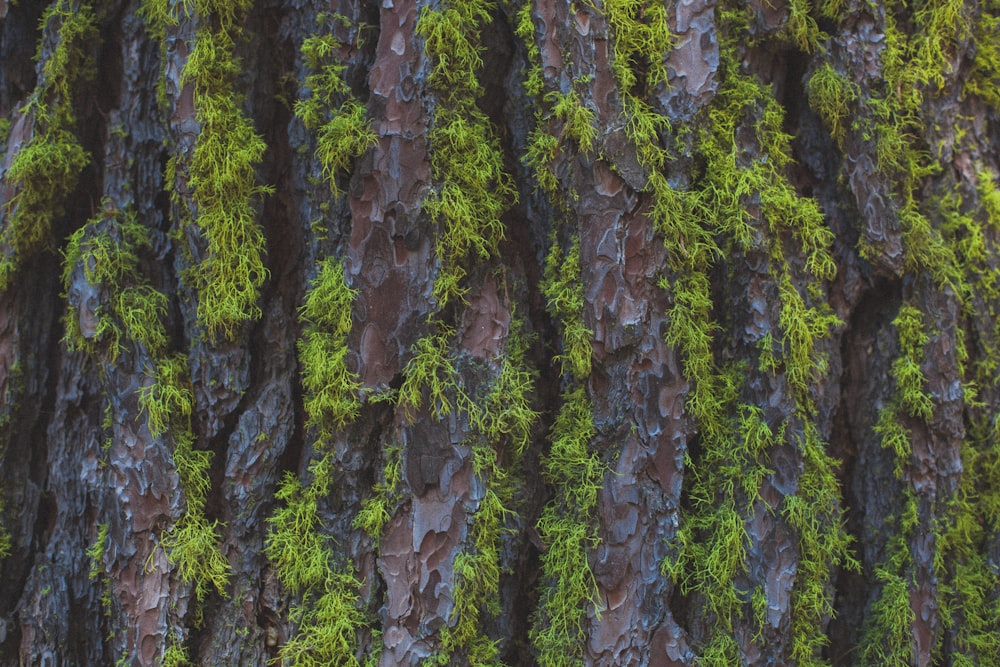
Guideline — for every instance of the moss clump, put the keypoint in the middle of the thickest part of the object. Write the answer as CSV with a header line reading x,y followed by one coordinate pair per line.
x,y
473,190
192,543
327,611
220,170
576,474
375,510
984,78
832,95
223,184
503,424
107,249
563,292
44,172
331,389
569,533
331,110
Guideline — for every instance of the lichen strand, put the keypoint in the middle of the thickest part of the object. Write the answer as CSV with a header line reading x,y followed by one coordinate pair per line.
x,y
326,610
948,238
192,543
470,194
220,173
503,423
45,171
472,189
342,132
105,251
576,473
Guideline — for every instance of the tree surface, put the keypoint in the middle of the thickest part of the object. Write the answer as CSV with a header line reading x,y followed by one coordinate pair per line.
x,y
603,332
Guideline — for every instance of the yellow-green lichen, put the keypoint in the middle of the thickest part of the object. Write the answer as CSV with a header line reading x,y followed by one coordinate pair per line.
x,y
106,250
192,543
331,389
45,170
220,173
472,187
342,132
327,612
566,526
505,419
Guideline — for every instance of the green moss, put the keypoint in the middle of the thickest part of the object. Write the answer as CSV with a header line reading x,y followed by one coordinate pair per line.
x,y
833,96
801,28
472,188
107,249
563,292
175,656
328,613
45,171
375,511
525,29
578,120
331,389
96,551
984,78
567,528
342,130
642,37
430,372
909,378
192,543
220,173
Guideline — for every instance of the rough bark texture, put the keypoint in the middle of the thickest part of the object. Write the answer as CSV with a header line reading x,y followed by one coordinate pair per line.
x,y
522,332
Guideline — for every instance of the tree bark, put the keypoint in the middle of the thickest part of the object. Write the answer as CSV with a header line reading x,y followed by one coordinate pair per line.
x,y
514,332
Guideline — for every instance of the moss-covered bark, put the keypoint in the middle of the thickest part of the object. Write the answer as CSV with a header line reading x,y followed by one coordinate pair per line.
x,y
510,332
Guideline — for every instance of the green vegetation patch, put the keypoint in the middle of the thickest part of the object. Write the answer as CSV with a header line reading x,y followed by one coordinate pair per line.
x,y
45,171
472,188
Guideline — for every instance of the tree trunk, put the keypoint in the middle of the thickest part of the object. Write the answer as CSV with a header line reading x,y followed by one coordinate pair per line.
x,y
522,332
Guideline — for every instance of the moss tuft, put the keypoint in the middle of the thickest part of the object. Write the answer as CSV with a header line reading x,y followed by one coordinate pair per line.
x,y
473,189
343,132
220,173
45,171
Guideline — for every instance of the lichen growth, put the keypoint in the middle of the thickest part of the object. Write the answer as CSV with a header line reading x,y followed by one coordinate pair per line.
x,y
331,110
831,95
472,187
107,249
45,170
192,542
220,169
567,529
327,611
331,389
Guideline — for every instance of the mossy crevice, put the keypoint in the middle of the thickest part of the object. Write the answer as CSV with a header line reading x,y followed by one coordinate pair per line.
x,y
130,313
220,169
327,611
472,188
739,204
45,170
